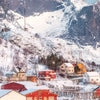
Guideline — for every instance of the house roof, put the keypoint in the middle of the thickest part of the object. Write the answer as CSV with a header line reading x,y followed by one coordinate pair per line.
x,y
27,84
12,83
89,88
29,91
19,69
96,88
35,88
40,87
14,86
4,92
68,65
92,74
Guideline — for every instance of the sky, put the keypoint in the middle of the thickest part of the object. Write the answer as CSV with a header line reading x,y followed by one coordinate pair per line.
x,y
90,1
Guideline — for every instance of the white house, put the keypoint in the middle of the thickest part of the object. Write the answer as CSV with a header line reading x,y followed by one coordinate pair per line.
x,y
91,77
11,95
66,68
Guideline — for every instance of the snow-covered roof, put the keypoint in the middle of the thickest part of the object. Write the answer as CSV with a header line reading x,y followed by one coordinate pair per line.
x,y
1,85
32,85
90,88
46,70
64,98
68,65
92,74
35,88
27,84
4,92
29,91
60,83
40,87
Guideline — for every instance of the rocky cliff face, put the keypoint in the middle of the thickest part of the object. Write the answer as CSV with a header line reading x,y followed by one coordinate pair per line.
x,y
30,6
85,28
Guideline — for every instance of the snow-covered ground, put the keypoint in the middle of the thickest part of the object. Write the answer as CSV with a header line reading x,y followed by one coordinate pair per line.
x,y
79,4
48,26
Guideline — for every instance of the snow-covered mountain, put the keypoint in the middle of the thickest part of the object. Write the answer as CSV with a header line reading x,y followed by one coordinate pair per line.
x,y
32,6
66,27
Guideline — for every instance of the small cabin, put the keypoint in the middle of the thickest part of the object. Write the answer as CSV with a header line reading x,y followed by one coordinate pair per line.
x,y
33,94
91,78
66,68
47,75
32,78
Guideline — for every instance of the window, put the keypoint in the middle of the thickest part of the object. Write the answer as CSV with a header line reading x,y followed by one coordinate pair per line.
x,y
40,98
61,66
39,92
35,98
52,75
51,98
91,79
29,98
22,75
63,70
45,98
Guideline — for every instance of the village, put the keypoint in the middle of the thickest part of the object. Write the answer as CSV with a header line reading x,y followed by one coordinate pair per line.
x,y
69,82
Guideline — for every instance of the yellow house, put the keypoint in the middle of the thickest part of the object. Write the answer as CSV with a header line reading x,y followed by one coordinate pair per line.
x,y
18,76
21,75
80,69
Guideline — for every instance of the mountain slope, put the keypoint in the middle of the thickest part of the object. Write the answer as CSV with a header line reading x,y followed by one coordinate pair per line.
x,y
78,26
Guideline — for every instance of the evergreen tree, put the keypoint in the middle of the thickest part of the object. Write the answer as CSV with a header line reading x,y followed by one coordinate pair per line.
x,y
52,61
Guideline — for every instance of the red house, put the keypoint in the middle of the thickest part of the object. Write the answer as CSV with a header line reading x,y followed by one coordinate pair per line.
x,y
39,95
97,92
47,75
14,86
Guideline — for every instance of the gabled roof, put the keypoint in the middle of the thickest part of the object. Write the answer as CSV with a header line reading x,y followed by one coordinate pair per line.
x,y
29,91
92,74
19,69
90,88
12,83
4,92
68,65
27,84
14,86
96,88
41,87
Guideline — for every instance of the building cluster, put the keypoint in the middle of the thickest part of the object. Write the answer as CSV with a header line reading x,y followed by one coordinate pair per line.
x,y
16,87
72,70
79,71
48,87
20,75
18,91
